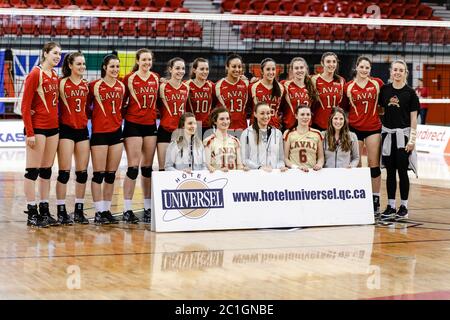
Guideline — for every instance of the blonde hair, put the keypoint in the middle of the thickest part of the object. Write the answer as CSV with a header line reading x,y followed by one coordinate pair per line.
x,y
402,62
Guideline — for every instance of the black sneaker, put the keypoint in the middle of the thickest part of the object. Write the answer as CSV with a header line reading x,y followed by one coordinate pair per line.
x,y
110,217
45,214
64,218
147,218
100,218
402,213
78,217
34,219
388,214
129,217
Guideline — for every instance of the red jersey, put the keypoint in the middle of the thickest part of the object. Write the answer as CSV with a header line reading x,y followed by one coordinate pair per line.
x,y
260,93
422,92
233,96
329,95
363,115
173,103
107,105
40,95
73,99
142,95
293,97
200,100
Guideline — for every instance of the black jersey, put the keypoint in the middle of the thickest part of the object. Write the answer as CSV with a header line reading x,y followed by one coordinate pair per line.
x,y
398,105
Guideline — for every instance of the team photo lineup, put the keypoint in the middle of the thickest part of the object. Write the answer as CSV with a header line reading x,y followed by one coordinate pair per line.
x,y
304,122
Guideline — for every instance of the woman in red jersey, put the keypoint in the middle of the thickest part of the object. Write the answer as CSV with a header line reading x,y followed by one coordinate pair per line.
x,y
329,87
200,92
268,90
40,117
107,95
298,90
173,97
362,93
140,131
73,135
232,92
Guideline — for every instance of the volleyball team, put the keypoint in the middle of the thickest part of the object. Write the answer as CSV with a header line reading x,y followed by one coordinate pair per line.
x,y
303,123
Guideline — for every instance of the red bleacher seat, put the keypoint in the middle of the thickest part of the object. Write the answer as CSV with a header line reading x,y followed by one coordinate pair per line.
x,y
4,4
412,2
64,3
193,29
227,5
309,32
271,5
409,35
438,35
159,3
287,6
342,9
176,29
51,4
424,12
395,34
145,28
301,8
423,35
18,4
397,12
294,31
161,28
34,4
82,4
240,6
279,30
99,5
324,32
175,3
248,30
357,9
411,12
28,26
257,5
263,31
127,27
330,7
381,35
166,9
340,32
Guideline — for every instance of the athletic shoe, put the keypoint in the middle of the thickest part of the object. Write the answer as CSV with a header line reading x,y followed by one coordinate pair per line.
x,y
64,218
100,218
34,219
109,216
147,216
78,217
402,213
129,217
45,214
388,214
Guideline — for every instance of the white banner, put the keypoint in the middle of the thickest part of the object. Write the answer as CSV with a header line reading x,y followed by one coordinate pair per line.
x,y
11,133
433,139
258,199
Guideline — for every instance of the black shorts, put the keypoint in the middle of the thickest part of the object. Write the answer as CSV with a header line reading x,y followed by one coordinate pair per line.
x,y
364,134
164,136
132,129
45,132
106,138
76,135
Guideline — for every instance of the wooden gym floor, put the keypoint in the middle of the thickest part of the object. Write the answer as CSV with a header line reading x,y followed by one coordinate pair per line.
x,y
400,261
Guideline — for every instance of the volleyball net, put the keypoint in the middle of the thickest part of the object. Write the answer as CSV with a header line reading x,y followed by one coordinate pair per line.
x,y
423,44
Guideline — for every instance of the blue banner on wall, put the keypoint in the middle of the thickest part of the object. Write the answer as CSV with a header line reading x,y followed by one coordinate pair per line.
x,y
2,79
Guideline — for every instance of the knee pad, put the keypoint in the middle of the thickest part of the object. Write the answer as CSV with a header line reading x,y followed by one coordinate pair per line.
x,y
81,176
98,177
132,172
45,173
63,176
375,172
31,173
110,176
146,172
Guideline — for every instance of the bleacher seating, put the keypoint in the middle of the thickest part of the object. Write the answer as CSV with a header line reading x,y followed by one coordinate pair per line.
x,y
102,27
389,9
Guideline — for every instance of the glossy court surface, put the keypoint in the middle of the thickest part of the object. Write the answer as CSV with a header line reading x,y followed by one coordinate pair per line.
x,y
399,261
